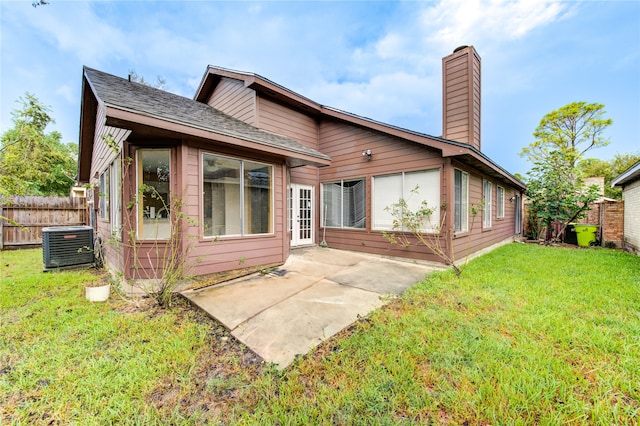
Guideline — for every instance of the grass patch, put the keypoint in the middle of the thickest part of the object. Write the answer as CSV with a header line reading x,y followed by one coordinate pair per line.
x,y
527,335
64,360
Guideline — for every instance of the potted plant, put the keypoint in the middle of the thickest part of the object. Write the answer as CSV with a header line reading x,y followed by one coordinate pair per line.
x,y
98,291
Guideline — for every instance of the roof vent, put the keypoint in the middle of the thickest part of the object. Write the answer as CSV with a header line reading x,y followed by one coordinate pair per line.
x,y
457,49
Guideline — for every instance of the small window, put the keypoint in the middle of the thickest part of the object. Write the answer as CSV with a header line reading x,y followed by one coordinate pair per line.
x,y
344,204
461,200
500,206
486,216
116,197
103,191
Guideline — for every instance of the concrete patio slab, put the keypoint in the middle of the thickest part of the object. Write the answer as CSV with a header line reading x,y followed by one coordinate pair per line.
x,y
233,303
312,316
381,276
314,295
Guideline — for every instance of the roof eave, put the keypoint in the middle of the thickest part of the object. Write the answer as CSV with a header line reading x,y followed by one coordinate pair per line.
x,y
292,156
448,148
628,175
88,109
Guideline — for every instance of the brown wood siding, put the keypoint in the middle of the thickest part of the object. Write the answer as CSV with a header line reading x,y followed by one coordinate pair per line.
x,y
476,102
233,98
306,175
479,237
130,245
281,120
208,255
344,144
103,155
461,97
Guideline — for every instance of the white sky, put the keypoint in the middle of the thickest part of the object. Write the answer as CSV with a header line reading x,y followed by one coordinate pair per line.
x,y
376,59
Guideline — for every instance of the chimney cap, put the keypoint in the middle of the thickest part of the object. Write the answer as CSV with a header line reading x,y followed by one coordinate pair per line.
x,y
459,48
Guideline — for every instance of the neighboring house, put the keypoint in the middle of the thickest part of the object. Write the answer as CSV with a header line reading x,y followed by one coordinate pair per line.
x,y
629,181
262,170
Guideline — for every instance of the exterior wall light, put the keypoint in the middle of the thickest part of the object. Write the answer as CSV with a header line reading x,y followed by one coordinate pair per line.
x,y
367,153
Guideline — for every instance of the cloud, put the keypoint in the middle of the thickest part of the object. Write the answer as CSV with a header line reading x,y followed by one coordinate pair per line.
x,y
88,37
68,93
397,97
453,22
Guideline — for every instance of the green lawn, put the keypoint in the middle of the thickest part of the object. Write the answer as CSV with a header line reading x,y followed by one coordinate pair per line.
x,y
527,335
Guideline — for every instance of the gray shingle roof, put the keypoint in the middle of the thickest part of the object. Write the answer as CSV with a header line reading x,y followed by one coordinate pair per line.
x,y
135,97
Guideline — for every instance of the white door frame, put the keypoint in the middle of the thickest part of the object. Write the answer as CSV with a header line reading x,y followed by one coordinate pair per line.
x,y
302,214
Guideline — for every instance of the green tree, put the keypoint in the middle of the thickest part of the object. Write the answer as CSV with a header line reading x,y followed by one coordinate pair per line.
x,y
571,130
33,162
609,169
556,191
556,195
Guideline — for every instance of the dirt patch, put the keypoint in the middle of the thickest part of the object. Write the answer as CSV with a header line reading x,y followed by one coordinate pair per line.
x,y
221,376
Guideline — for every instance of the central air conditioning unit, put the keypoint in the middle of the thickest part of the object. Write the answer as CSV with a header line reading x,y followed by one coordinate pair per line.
x,y
67,246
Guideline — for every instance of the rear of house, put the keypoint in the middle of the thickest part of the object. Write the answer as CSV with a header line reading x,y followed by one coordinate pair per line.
x,y
259,169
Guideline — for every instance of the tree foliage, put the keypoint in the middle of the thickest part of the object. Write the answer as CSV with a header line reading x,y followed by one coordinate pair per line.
x,y
609,169
556,191
571,130
556,195
33,162
160,83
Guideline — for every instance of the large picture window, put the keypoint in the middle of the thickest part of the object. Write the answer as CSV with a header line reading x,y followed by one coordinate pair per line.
x,y
413,188
487,193
154,184
344,204
237,196
461,200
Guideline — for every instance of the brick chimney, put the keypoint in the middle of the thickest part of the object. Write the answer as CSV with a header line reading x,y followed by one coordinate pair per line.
x,y
461,96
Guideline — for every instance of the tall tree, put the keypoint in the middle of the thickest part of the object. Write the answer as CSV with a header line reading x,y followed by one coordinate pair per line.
x,y
572,129
556,191
33,162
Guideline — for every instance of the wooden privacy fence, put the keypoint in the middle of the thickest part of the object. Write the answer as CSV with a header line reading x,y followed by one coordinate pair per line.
x,y
22,218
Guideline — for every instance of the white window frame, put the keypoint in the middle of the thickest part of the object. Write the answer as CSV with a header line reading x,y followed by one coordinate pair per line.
x,y
487,195
461,207
322,203
413,199
500,202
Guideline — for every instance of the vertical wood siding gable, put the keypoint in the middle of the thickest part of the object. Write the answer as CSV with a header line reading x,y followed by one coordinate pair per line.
x,y
232,98
282,120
